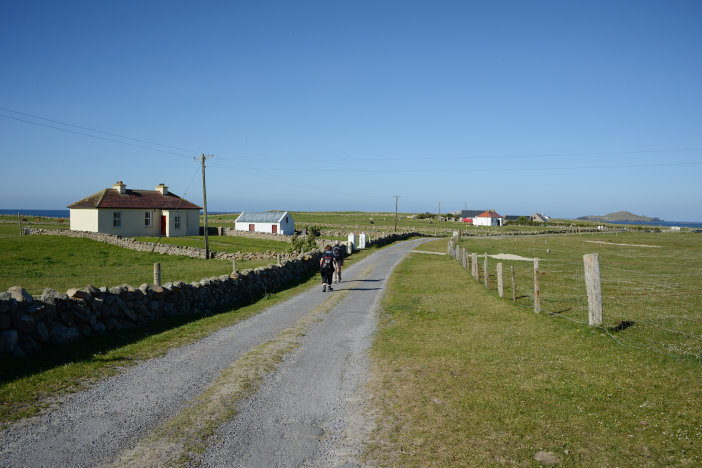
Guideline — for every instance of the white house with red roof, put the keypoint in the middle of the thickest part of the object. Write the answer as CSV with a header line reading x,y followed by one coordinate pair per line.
x,y
489,218
134,213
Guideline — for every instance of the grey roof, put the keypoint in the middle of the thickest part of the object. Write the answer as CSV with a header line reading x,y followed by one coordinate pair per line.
x,y
470,213
261,217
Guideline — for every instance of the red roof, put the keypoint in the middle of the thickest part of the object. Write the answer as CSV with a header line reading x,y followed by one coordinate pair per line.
x,y
137,199
489,214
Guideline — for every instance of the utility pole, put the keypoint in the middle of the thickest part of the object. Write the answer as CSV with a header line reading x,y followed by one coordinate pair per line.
x,y
439,210
204,202
396,197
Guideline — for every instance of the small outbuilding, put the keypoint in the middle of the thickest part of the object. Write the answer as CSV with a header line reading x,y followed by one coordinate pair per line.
x,y
489,218
135,213
269,222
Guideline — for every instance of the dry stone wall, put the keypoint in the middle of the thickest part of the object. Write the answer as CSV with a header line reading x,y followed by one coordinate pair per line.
x,y
28,324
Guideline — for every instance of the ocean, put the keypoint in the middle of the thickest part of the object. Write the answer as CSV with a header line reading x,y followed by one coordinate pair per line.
x,y
65,214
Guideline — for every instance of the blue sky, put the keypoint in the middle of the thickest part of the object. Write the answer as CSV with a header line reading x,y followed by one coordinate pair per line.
x,y
566,108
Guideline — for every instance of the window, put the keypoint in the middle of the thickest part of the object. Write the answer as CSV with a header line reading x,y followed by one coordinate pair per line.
x,y
148,219
117,219
176,222
286,220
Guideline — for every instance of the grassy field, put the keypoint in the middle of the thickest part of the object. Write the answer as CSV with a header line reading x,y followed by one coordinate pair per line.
x,y
38,262
464,378
650,282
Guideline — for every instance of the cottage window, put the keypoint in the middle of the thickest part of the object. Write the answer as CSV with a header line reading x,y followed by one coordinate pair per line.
x,y
148,219
176,222
286,220
117,219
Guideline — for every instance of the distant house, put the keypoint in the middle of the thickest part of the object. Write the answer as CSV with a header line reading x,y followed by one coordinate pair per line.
x,y
540,218
271,222
468,215
135,213
488,218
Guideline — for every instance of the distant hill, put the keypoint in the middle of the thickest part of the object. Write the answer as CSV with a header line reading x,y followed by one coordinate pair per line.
x,y
619,217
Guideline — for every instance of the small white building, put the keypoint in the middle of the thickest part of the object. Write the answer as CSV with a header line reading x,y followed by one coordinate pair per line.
x,y
489,218
270,222
136,213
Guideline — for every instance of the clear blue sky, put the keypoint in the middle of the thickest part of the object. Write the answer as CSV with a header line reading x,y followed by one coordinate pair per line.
x,y
566,108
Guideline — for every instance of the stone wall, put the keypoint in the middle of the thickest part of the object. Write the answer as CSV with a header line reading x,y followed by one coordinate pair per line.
x,y
165,249
28,324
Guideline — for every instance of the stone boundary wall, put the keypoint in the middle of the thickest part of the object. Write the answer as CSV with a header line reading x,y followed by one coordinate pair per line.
x,y
28,324
164,249
227,231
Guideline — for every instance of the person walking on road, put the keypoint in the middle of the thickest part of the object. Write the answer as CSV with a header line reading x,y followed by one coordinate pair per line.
x,y
338,251
327,266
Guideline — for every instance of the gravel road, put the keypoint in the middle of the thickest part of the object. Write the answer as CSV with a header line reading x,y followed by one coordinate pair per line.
x,y
300,415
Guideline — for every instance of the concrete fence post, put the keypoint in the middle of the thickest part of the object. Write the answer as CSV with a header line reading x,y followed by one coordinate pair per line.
x,y
500,282
485,271
537,289
157,274
593,283
474,261
514,286
280,262
234,266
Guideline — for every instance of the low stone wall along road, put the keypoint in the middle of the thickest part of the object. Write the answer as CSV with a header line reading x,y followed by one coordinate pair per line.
x,y
279,389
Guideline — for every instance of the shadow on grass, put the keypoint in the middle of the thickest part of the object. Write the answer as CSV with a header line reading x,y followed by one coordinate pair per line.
x,y
87,348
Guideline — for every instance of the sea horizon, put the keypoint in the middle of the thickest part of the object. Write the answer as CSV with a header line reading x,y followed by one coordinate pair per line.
x,y
66,213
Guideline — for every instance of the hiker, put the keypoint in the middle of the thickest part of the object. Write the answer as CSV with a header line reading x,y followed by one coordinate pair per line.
x,y
338,252
327,266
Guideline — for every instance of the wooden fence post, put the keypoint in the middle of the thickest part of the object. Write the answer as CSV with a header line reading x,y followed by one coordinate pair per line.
x,y
234,266
593,283
474,261
500,283
157,274
537,289
485,272
514,286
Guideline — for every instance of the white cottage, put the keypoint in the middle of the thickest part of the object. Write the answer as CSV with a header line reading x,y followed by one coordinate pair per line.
x,y
270,222
489,218
136,213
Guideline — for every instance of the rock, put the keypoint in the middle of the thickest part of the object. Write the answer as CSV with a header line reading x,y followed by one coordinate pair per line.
x,y
5,321
23,323
8,341
98,328
61,334
20,295
78,294
41,332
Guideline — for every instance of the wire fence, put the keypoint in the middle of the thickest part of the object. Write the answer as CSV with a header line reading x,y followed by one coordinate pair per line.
x,y
642,307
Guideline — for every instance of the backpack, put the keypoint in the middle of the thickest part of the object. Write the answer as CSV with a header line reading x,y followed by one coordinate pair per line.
x,y
327,262
337,251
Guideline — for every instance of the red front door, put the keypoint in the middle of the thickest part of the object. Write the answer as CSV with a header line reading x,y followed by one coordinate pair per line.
x,y
163,225
275,229
252,227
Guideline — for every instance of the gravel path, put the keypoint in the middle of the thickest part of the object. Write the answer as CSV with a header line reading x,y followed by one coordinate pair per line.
x,y
297,418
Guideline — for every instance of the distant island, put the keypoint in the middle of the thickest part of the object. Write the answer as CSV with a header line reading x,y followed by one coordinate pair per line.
x,y
620,217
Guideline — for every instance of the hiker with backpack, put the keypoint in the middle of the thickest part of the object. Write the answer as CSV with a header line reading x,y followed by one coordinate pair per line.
x,y
338,251
327,266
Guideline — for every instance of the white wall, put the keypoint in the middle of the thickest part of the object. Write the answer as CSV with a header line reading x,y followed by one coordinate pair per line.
x,y
483,221
84,220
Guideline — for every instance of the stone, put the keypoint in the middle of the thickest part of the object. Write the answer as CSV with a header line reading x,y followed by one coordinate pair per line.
x,y
23,323
98,328
5,321
8,341
41,332
19,294
78,294
61,334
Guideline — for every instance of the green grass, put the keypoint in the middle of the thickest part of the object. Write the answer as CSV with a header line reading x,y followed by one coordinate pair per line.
x,y
651,282
38,262
231,244
464,378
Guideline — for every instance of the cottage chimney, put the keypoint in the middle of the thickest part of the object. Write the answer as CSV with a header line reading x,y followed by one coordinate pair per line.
x,y
162,189
120,187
